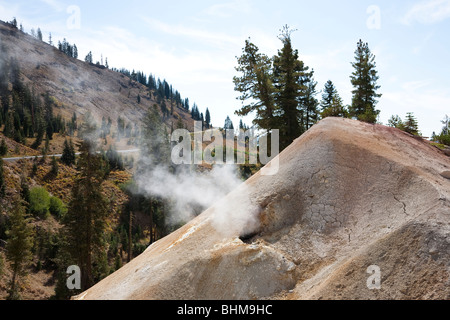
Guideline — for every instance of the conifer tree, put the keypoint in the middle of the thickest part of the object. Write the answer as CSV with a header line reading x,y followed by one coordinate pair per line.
x,y
329,93
39,34
364,80
89,58
308,102
18,248
25,190
336,108
255,85
281,90
85,220
207,118
331,103
410,124
68,155
228,124
396,122
55,168
289,80
155,142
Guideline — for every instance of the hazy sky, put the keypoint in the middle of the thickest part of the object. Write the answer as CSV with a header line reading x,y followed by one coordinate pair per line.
x,y
194,44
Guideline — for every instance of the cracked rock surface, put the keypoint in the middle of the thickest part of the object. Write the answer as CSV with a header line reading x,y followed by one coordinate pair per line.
x,y
348,195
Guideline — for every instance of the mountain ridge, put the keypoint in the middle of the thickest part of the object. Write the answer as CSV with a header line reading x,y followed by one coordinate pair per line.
x,y
80,87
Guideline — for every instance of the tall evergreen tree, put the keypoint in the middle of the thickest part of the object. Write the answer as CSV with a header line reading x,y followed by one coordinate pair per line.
x,y
228,124
39,34
329,93
255,85
281,90
55,168
309,104
85,220
155,142
207,119
89,58
336,109
364,80
396,122
289,73
331,103
18,248
410,124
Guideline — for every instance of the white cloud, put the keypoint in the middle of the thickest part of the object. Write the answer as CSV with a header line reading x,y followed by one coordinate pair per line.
x,y
55,5
428,105
225,10
8,11
428,12
218,39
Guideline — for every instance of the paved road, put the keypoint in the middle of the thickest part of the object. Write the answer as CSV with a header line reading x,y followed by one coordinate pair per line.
x,y
60,155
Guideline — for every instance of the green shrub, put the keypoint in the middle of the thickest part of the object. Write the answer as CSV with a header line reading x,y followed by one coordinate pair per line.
x,y
57,208
444,139
39,202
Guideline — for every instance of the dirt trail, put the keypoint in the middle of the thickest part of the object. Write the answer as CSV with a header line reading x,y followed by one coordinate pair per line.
x,y
348,195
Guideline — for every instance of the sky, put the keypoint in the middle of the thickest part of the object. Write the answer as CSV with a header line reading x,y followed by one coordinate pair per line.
x,y
194,44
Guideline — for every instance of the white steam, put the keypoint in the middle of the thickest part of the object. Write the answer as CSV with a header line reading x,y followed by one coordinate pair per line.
x,y
190,191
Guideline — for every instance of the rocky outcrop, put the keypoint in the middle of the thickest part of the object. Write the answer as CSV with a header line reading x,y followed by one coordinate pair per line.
x,y
348,196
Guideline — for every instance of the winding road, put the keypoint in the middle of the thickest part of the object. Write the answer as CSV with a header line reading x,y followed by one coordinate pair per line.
x,y
60,155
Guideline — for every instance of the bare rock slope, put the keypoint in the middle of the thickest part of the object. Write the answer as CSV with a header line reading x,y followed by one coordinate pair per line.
x,y
348,195
78,86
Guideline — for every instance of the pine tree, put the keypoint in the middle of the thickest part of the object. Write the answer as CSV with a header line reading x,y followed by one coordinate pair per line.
x,y
75,52
255,85
329,93
55,168
288,74
18,248
410,124
89,58
155,142
281,90
14,22
207,119
228,124
364,80
308,103
85,220
68,155
331,103
25,190
39,34
336,108
396,122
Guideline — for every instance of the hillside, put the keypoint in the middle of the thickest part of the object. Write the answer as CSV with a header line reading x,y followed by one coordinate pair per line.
x,y
78,86
348,195
74,88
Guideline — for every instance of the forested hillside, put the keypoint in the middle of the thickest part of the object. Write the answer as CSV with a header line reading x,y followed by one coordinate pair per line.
x,y
52,103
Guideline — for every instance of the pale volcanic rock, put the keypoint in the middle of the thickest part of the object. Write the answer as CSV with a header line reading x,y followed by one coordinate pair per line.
x,y
348,195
